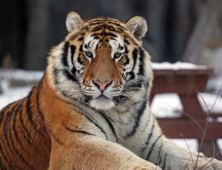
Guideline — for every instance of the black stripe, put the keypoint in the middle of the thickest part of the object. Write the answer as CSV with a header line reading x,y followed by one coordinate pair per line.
x,y
38,104
12,141
97,28
117,25
37,100
14,126
6,159
98,20
79,59
78,131
126,49
1,116
127,60
126,41
111,28
86,115
80,48
55,73
25,132
85,27
87,98
80,39
73,71
149,136
69,76
151,149
110,34
65,53
132,75
5,109
120,99
120,47
96,34
89,43
159,156
29,110
94,122
141,59
137,119
6,140
17,152
73,50
109,123
135,53
164,164
1,164
96,37
112,38
6,126
23,127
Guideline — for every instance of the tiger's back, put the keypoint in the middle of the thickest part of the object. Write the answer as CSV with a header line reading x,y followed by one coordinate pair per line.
x,y
24,142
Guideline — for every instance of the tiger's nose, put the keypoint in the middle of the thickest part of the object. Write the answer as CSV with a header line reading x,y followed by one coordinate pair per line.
x,y
102,85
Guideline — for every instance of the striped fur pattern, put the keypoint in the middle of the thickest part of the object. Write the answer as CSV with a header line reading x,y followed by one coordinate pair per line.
x,y
90,110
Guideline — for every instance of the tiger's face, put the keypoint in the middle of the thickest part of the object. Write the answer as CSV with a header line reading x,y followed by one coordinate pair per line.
x,y
101,63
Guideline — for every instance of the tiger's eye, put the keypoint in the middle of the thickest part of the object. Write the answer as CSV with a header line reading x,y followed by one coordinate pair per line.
x,y
88,54
117,55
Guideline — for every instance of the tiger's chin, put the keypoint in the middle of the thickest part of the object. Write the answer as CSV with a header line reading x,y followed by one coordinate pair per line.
x,y
102,103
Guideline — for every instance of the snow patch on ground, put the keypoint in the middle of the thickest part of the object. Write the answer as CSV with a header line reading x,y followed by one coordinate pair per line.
x,y
13,94
176,66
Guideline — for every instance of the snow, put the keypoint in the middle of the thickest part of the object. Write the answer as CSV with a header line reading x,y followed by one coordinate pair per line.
x,y
176,66
11,94
21,74
163,105
168,105
214,84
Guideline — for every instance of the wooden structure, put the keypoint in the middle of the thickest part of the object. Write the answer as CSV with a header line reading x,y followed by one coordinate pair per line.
x,y
187,83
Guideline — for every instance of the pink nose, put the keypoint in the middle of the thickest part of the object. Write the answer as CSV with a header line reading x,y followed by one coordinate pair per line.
x,y
102,85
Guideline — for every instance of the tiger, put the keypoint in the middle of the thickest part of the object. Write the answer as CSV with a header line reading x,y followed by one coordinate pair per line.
x,y
91,108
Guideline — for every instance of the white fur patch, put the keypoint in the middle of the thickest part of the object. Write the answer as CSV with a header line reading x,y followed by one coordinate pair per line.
x,y
102,103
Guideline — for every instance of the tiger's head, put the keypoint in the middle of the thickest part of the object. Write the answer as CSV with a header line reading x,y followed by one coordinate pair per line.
x,y
102,62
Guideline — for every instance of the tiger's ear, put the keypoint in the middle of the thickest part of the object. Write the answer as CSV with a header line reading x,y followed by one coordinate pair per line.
x,y
137,26
73,21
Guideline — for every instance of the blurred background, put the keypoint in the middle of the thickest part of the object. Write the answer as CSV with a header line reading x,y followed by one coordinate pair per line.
x,y
30,28
178,30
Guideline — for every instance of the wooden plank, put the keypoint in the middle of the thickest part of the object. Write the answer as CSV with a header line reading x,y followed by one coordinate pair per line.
x,y
172,128
183,85
208,149
184,72
192,106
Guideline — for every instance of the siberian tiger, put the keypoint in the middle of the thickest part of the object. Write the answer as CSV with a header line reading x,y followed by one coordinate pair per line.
x,y
90,110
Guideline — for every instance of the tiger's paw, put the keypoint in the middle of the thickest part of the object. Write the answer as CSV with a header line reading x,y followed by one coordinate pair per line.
x,y
203,163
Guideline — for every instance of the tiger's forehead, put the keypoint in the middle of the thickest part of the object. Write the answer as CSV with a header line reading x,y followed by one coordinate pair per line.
x,y
103,31
111,24
105,20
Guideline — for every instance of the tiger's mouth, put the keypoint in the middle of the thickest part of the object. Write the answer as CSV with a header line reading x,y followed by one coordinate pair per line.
x,y
102,102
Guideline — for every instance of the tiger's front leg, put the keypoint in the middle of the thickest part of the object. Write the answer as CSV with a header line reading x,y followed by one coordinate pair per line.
x,y
90,152
164,153
176,157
